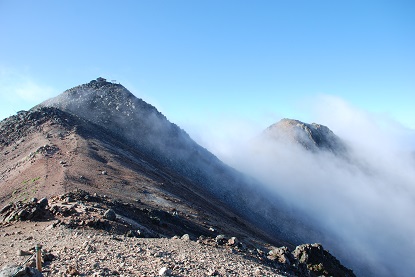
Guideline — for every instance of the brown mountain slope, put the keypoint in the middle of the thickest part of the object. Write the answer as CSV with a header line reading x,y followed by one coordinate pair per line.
x,y
55,153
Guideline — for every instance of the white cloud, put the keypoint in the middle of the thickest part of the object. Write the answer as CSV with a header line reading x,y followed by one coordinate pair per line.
x,y
20,91
29,91
366,204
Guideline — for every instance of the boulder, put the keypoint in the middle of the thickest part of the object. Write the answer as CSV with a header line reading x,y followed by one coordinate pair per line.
x,y
110,215
319,261
281,254
185,237
43,203
233,241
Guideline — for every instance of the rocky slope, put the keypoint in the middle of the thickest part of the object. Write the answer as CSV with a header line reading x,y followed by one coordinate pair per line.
x,y
100,143
92,235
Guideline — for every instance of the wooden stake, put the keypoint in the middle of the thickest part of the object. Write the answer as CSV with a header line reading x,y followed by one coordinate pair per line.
x,y
39,257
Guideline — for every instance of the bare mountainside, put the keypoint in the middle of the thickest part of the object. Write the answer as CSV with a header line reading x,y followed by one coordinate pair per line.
x,y
97,150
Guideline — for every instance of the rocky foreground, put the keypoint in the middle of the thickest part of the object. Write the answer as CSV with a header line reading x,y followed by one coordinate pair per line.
x,y
82,235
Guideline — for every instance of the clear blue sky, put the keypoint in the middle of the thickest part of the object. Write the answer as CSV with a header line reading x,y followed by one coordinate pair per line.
x,y
205,60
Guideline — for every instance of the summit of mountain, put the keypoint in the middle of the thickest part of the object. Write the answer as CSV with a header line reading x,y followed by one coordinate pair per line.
x,y
113,107
313,137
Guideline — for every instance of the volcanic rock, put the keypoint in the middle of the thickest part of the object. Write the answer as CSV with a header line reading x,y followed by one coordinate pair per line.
x,y
319,261
110,214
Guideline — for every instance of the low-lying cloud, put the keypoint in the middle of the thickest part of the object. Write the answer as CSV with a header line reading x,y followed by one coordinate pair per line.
x,y
364,203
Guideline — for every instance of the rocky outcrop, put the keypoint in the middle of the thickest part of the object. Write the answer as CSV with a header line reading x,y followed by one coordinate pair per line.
x,y
15,128
19,211
319,262
309,260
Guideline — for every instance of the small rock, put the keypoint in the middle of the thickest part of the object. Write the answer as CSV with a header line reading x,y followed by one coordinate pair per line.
x,y
185,237
23,253
48,257
220,239
233,241
68,199
164,271
72,271
133,234
257,272
31,263
213,272
23,214
50,227
90,249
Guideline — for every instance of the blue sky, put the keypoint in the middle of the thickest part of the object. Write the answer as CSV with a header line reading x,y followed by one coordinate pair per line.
x,y
201,62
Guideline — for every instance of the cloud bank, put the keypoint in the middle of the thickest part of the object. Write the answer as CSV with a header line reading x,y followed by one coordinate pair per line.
x,y
364,204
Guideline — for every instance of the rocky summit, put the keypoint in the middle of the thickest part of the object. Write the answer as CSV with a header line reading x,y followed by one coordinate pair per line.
x,y
313,137
109,187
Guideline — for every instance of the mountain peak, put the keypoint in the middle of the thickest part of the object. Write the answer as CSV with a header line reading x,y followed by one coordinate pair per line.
x,y
104,103
103,83
96,92
116,109
313,137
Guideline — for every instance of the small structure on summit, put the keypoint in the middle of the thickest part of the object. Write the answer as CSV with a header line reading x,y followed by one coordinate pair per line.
x,y
100,79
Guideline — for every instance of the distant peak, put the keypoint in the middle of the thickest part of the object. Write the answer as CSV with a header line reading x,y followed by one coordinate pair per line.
x,y
295,122
311,136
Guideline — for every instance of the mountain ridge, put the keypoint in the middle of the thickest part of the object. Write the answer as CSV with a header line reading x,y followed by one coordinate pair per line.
x,y
151,132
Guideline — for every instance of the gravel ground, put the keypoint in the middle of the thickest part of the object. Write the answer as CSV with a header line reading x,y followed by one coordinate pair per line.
x,y
96,253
